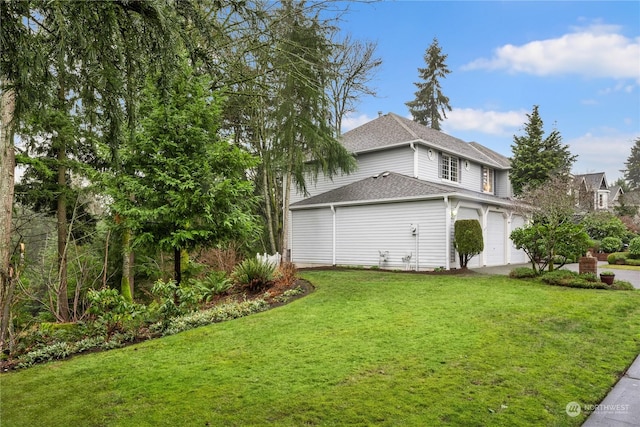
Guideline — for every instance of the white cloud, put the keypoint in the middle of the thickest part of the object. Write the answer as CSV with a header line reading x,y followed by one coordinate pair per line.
x,y
604,152
595,51
489,122
351,122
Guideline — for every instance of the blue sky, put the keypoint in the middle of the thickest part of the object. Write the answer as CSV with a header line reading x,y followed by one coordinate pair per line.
x,y
579,61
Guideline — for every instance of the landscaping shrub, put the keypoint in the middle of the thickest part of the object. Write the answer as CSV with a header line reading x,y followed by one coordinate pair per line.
x,y
173,300
634,262
634,248
216,283
111,311
468,239
622,285
611,244
523,273
619,258
254,274
573,280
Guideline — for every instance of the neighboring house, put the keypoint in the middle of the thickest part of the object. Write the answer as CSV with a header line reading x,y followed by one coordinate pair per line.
x,y
399,208
593,193
615,196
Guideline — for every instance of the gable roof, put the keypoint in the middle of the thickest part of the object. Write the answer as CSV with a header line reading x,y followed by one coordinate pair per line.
x,y
616,191
391,187
393,130
594,181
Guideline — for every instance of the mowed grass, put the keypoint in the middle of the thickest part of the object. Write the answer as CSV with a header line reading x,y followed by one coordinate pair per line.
x,y
366,348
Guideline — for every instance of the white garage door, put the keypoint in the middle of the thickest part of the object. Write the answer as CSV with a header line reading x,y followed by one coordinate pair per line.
x,y
494,248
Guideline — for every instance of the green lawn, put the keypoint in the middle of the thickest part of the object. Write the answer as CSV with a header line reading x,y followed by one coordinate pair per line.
x,y
366,348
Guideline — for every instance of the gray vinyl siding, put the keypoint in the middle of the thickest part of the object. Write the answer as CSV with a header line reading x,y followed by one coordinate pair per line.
x,y
399,160
364,231
472,178
503,188
428,168
312,236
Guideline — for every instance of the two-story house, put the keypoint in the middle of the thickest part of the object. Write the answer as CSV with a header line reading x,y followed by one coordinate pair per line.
x,y
593,193
399,208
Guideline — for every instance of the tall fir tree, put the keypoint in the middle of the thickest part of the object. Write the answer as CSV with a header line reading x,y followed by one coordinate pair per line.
x,y
430,106
535,158
189,184
632,171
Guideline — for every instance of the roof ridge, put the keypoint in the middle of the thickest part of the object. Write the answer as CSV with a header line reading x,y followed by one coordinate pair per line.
x,y
405,127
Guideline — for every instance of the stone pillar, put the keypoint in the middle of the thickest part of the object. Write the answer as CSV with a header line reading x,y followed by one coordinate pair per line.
x,y
588,264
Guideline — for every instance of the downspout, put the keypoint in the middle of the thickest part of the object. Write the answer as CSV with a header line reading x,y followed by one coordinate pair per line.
x,y
447,230
415,159
417,247
333,238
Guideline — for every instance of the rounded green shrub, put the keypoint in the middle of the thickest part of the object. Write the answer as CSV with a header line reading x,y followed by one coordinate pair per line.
x,y
468,239
619,258
634,248
611,244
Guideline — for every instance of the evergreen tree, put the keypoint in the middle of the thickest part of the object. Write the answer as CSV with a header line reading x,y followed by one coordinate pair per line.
x,y
632,171
430,101
537,158
189,184
303,136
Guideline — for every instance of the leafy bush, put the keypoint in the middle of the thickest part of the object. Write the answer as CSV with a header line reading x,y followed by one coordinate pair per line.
x,y
611,244
111,310
600,225
174,300
468,239
572,279
523,273
619,258
634,248
634,262
254,274
216,283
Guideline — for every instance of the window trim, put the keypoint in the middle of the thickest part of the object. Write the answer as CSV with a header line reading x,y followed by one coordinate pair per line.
x,y
452,162
491,176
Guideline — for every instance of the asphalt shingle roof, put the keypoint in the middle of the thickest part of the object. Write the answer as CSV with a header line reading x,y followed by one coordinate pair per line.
x,y
392,186
391,129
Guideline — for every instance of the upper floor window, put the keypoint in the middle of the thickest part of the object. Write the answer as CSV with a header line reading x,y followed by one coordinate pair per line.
x,y
601,200
487,179
449,167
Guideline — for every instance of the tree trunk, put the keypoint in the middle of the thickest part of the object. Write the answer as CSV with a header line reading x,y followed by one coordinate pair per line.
x,y
126,285
177,267
62,306
7,177
285,217
267,203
